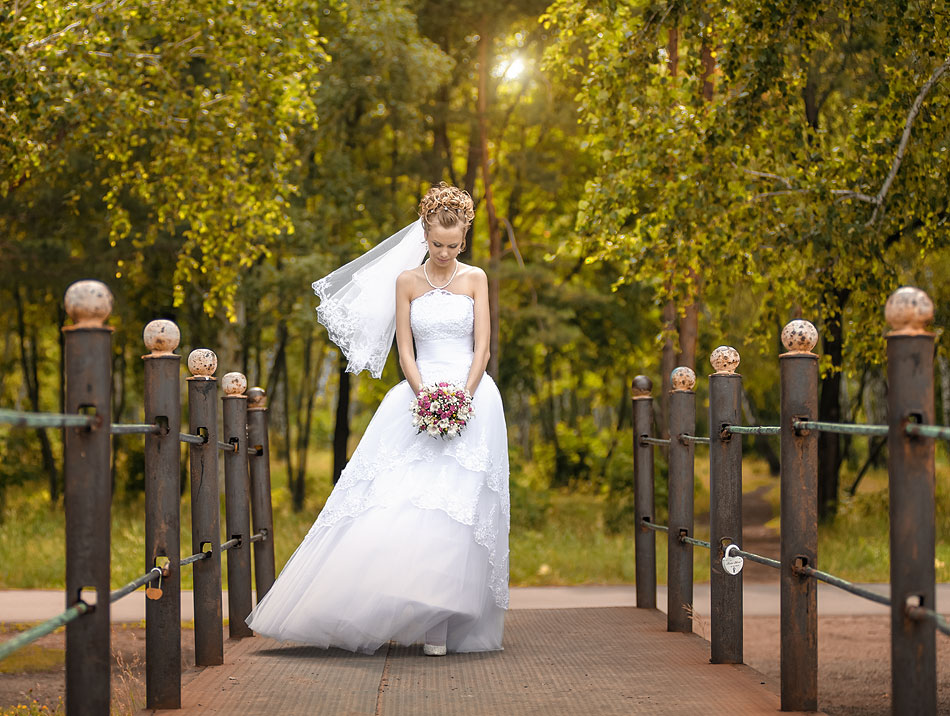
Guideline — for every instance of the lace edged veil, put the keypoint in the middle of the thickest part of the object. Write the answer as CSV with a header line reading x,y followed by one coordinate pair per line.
x,y
358,300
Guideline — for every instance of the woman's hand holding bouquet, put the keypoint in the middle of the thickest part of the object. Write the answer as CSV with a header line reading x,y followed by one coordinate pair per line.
x,y
441,410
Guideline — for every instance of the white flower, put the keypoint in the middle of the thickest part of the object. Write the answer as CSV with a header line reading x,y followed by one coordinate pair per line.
x,y
433,431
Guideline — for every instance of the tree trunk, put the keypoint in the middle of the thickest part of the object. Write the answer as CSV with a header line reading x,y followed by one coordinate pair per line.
x,y
829,410
494,231
944,366
667,364
305,402
341,433
29,363
118,408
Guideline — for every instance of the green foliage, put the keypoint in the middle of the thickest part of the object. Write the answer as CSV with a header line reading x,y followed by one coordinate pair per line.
x,y
178,122
776,177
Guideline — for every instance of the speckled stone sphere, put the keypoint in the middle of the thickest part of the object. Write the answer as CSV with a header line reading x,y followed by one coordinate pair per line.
x,y
202,362
161,336
234,383
88,303
641,387
256,398
683,378
799,336
725,359
909,310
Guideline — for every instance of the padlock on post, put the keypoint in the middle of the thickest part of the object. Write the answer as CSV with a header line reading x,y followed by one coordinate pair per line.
x,y
161,564
730,562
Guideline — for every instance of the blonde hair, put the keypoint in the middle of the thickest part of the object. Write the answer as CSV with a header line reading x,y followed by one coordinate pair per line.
x,y
448,205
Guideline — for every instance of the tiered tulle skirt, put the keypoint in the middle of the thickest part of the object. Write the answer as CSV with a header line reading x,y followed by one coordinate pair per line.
x,y
414,533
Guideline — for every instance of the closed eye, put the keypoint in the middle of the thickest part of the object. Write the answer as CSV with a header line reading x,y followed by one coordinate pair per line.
x,y
439,246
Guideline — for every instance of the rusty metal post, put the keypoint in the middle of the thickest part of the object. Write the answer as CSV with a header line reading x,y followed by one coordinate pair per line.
x,y
261,509
682,421
799,510
645,539
205,507
88,496
162,516
725,506
910,468
237,505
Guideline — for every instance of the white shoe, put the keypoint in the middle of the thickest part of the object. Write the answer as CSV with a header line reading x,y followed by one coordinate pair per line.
x,y
433,649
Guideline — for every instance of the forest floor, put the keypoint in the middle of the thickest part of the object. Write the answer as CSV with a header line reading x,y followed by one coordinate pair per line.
x,y
854,651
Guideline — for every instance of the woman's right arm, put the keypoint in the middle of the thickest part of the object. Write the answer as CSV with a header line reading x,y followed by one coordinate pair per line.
x,y
407,355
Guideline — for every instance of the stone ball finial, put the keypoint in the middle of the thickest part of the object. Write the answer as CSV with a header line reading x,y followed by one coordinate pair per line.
x,y
641,387
88,303
256,398
908,311
202,362
725,359
161,336
234,383
683,378
799,336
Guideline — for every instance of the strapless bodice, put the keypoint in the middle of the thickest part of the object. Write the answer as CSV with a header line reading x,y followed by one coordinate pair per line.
x,y
443,328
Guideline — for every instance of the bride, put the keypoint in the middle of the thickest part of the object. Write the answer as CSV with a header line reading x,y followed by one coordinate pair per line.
x,y
412,544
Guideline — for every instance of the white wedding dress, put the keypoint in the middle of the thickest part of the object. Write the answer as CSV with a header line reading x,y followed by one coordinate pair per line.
x,y
416,530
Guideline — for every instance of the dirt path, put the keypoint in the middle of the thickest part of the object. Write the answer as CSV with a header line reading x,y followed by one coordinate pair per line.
x,y
756,537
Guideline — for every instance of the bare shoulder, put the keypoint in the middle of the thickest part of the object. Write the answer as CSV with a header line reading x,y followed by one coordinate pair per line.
x,y
407,278
472,273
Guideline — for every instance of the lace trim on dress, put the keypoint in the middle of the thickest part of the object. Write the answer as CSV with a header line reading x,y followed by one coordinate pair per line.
x,y
345,502
342,324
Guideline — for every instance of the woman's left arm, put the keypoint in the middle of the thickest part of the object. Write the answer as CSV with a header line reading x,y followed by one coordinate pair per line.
x,y
482,330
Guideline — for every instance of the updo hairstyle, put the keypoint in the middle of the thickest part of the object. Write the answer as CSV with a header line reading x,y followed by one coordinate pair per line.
x,y
449,206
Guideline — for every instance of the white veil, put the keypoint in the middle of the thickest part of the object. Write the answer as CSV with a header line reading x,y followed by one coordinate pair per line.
x,y
358,300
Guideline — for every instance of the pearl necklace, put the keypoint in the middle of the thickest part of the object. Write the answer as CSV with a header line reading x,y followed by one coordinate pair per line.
x,y
451,278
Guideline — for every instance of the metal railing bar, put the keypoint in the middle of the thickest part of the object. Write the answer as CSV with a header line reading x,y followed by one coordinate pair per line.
x,y
26,419
843,584
655,527
153,574
842,428
695,542
754,429
259,536
644,440
758,558
922,613
194,558
694,439
40,630
123,429
225,546
193,439
928,431
227,447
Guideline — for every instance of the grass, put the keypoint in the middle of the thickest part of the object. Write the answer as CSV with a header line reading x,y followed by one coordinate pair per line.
x,y
33,657
557,537
32,709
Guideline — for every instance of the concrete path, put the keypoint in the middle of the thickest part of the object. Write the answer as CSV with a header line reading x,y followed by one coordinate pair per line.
x,y
30,605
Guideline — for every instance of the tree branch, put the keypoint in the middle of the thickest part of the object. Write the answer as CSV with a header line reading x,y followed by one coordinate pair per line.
x,y
36,44
905,138
767,175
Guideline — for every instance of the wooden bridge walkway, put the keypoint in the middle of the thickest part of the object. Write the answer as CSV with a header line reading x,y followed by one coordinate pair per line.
x,y
604,661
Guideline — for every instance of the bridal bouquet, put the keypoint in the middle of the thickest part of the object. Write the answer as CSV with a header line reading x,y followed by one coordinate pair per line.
x,y
441,410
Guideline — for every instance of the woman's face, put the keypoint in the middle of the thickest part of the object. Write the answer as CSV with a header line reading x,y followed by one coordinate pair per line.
x,y
445,244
